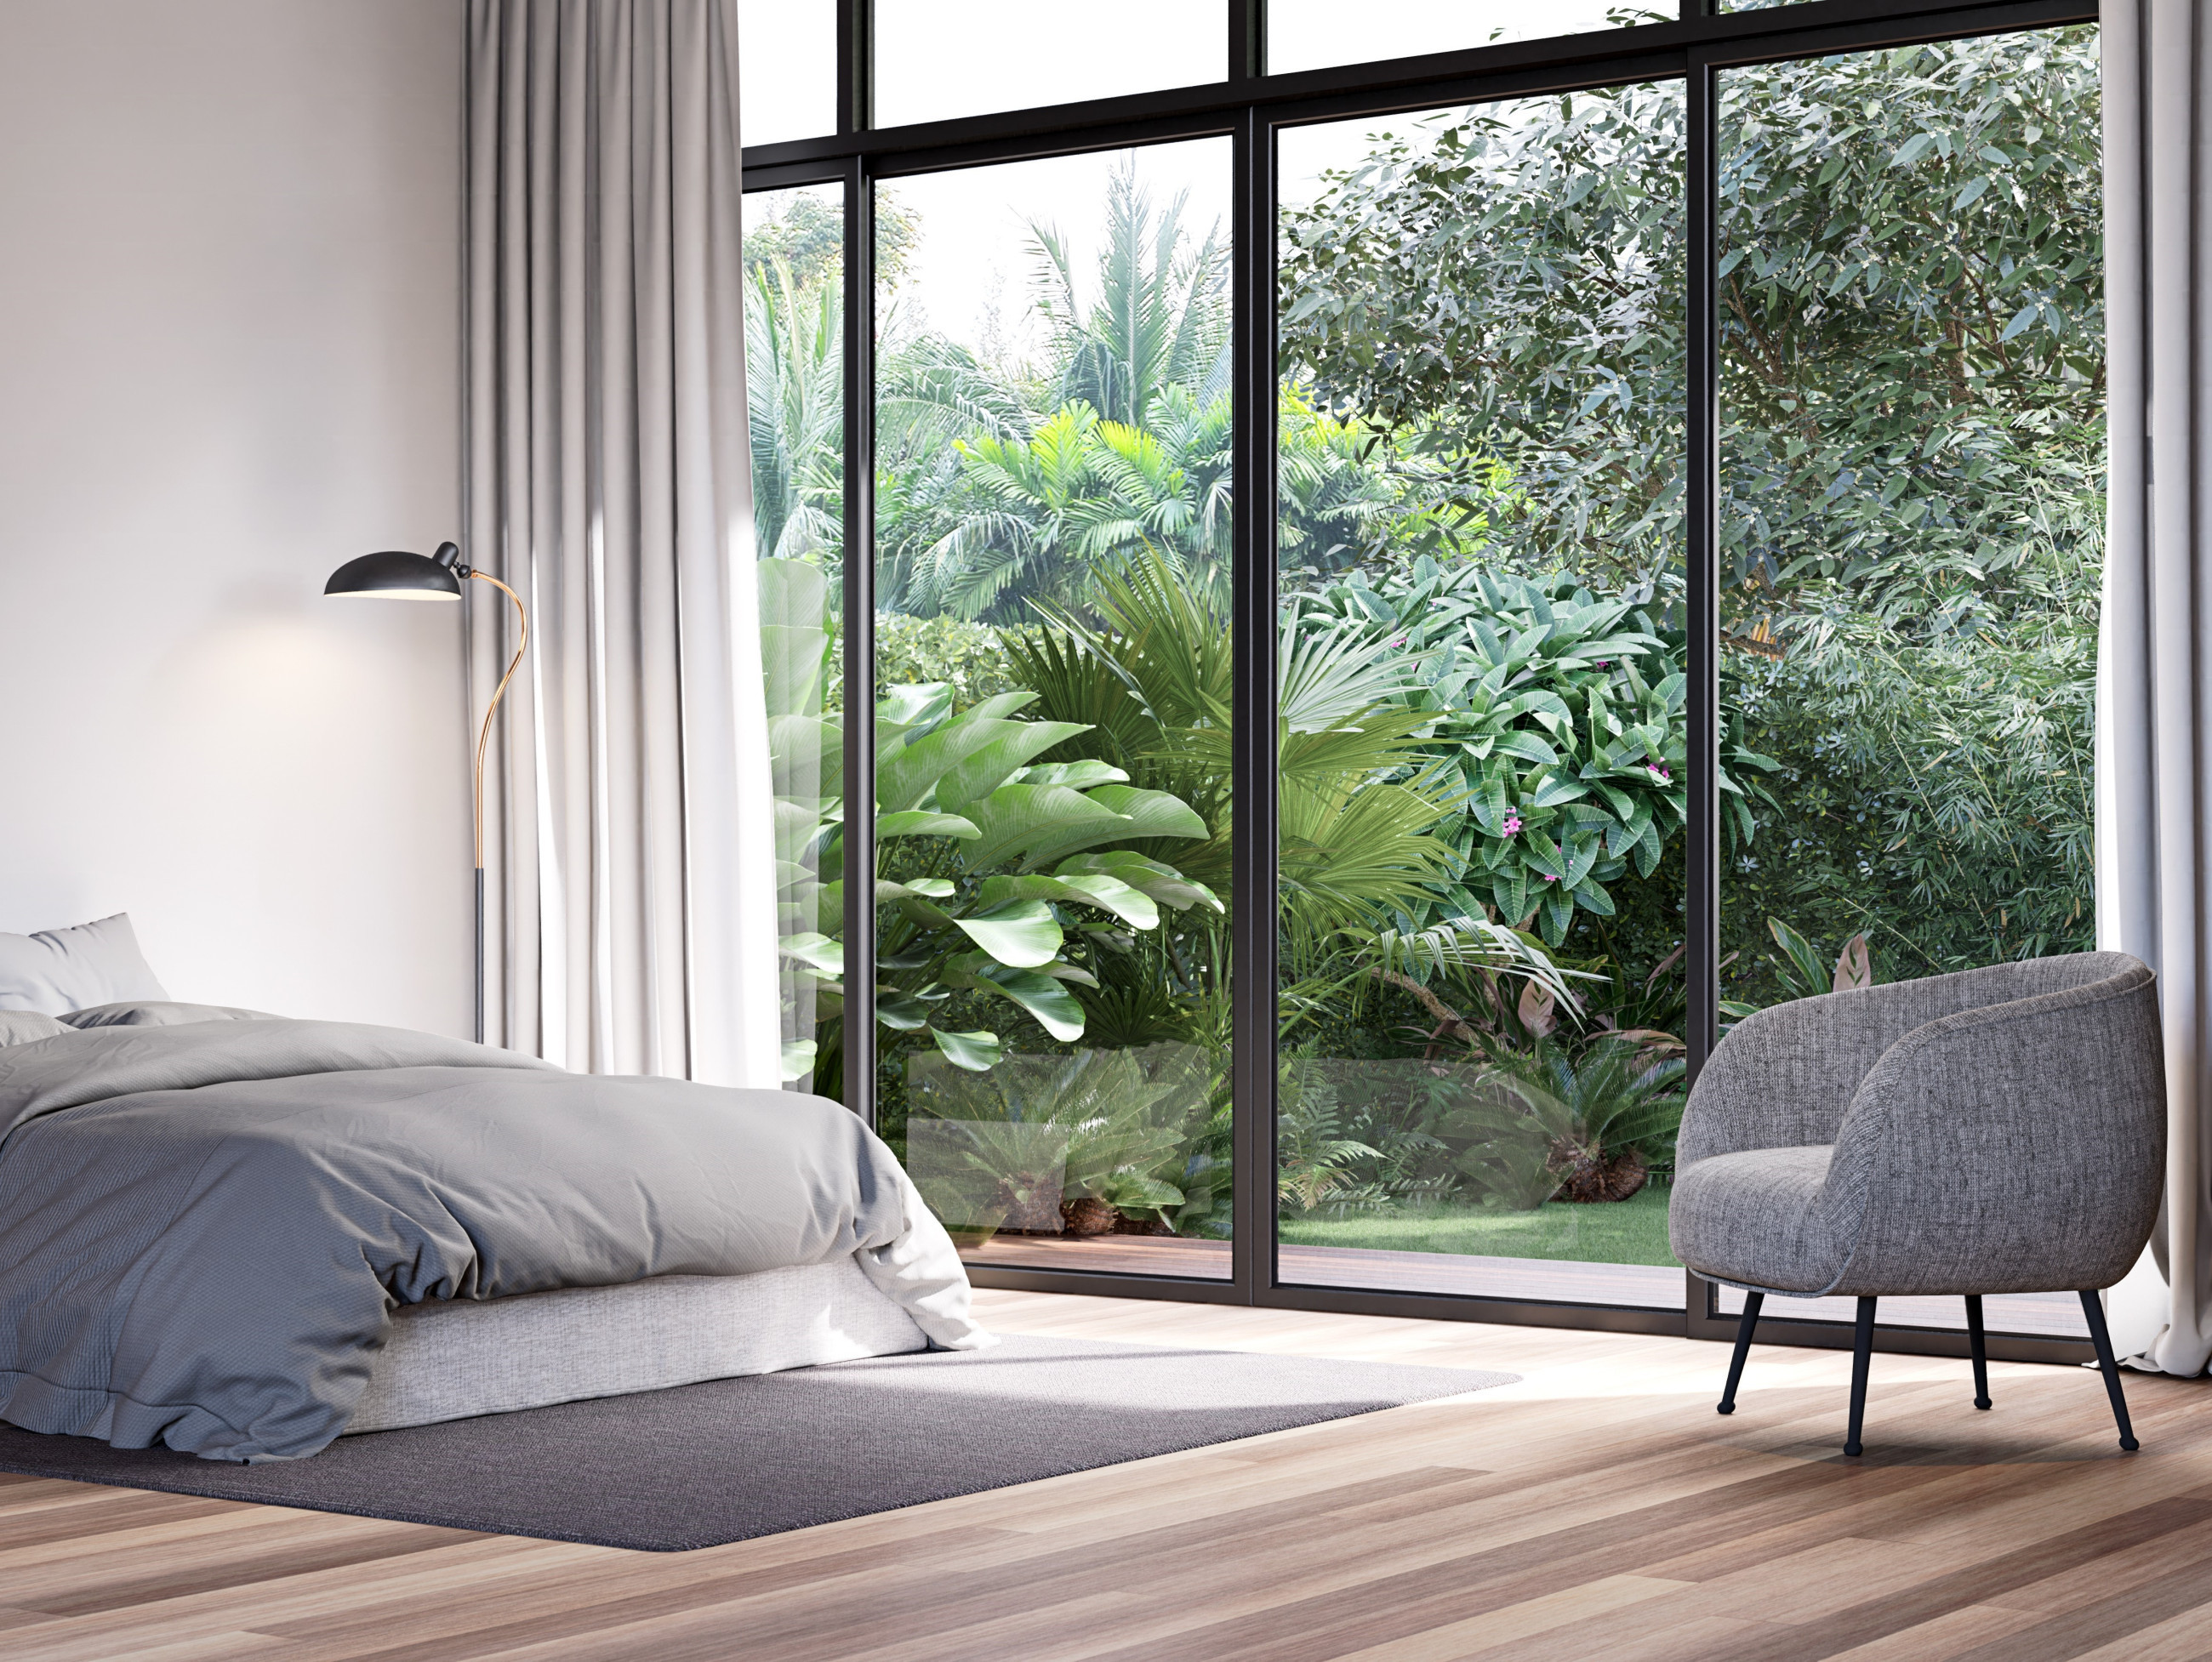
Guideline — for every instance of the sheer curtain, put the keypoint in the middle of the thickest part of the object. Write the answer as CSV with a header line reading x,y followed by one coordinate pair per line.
x,y
2154,768
629,832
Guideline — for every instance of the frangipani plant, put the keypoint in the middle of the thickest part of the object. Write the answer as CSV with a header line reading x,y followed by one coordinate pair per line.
x,y
1560,719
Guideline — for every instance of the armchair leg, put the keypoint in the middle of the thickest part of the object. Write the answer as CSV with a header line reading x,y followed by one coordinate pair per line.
x,y
1750,1303
1862,1359
1981,1349
2093,1308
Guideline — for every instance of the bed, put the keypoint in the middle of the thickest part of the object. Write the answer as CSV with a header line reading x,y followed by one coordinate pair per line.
x,y
243,1236
453,1359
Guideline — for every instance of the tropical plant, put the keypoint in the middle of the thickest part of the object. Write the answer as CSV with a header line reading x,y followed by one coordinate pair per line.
x,y
1935,785
1110,1127
1158,320
1152,680
969,657
1804,973
794,402
1558,719
1004,485
1314,1156
1032,518
1548,1124
997,857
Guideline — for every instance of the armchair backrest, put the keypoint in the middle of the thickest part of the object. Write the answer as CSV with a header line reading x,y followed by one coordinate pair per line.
x,y
1784,1077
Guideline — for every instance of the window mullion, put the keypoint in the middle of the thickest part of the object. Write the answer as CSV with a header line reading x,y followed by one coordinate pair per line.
x,y
1701,595
858,644
1252,950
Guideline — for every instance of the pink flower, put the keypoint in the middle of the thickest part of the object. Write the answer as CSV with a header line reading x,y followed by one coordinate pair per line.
x,y
1549,878
1659,774
1512,825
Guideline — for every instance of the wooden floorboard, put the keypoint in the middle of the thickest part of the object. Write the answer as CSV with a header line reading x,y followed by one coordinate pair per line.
x,y
1598,1508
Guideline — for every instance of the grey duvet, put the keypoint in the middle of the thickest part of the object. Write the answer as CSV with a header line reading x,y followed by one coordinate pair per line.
x,y
205,1227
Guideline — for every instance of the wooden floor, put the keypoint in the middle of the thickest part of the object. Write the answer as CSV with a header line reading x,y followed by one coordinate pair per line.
x,y
1598,1510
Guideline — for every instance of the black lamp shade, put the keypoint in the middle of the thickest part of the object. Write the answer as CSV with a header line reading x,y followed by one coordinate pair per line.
x,y
394,574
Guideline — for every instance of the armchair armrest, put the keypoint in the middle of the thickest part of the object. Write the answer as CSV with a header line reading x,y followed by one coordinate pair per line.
x,y
2019,1147
1782,1078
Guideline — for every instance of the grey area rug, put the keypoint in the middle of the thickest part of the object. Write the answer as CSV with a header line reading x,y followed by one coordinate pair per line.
x,y
731,1459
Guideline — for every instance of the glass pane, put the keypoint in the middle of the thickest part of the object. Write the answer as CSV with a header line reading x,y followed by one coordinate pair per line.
x,y
795,387
1313,35
1052,679
786,70
1482,720
1912,414
1016,55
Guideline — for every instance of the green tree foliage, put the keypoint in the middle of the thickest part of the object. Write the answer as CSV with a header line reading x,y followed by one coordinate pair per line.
x,y
1911,301
807,236
1934,792
1482,697
1912,322
1559,368
1911,307
1000,486
1154,318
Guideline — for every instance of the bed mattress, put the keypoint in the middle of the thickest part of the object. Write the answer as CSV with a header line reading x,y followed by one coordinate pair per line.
x,y
454,1360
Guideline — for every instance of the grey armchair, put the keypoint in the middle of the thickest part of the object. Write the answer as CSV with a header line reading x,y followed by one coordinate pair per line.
x,y
2001,1131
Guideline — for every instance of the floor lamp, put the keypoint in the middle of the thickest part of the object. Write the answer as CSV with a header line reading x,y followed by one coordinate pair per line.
x,y
395,575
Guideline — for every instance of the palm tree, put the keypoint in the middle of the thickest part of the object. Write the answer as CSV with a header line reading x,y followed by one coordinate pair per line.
x,y
997,488
794,398
1161,317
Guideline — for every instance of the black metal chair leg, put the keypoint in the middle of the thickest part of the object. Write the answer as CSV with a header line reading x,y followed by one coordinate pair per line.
x,y
1862,1359
2093,1308
1981,1349
1750,1303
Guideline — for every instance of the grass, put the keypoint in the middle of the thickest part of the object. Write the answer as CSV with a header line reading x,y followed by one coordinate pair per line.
x,y
1632,1231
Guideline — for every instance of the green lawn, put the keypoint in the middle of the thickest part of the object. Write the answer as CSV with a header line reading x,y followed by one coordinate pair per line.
x,y
1633,1231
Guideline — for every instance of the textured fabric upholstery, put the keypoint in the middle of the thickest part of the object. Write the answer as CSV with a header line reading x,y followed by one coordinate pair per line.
x,y
2001,1131
1755,1207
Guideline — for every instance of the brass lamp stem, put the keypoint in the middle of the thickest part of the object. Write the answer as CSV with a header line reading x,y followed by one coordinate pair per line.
x,y
483,736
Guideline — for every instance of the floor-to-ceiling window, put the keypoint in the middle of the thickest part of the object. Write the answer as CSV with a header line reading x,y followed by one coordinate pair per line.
x,y
1911,400
795,412
1053,671
1482,668
1409,563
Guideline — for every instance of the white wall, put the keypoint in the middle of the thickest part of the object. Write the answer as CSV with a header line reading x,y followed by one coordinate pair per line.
x,y
228,363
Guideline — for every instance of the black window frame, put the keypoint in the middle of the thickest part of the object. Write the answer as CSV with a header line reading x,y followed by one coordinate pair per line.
x,y
1249,107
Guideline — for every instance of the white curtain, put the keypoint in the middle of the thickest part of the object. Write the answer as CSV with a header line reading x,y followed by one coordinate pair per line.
x,y
2153,769
632,915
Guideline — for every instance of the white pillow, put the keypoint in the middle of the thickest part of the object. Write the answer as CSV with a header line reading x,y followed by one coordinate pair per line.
x,y
58,970
156,1013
